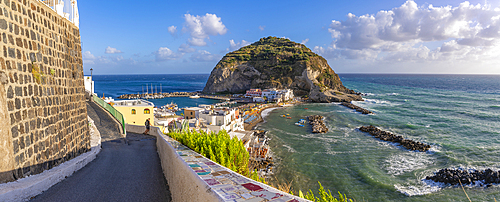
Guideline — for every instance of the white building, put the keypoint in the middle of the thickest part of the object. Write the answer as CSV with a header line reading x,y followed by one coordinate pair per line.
x,y
65,8
269,94
273,95
221,119
258,99
89,84
286,94
193,112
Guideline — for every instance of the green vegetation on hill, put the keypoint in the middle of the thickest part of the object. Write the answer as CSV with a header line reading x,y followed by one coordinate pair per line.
x,y
282,50
280,60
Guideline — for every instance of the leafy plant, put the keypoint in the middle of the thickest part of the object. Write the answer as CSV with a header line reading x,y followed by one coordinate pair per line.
x,y
220,148
36,72
323,196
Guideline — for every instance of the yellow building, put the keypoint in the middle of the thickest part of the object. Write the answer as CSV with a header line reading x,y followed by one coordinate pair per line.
x,y
135,112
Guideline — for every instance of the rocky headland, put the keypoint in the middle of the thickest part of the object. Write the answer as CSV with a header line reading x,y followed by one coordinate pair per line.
x,y
278,63
457,176
317,124
387,136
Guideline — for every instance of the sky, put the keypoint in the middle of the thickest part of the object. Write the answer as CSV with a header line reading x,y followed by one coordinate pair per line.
x,y
190,37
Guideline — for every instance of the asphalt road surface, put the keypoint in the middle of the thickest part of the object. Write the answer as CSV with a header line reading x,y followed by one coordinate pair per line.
x,y
126,169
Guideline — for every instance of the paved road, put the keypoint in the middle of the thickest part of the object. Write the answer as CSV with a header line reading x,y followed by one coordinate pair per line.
x,y
123,171
104,122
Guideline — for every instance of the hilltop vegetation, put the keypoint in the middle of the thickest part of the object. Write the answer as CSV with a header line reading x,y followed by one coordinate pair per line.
x,y
274,62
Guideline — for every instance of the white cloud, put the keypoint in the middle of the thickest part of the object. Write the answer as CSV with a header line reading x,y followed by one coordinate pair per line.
x,y
88,58
262,27
304,41
172,30
164,54
110,50
465,32
234,46
201,27
88,55
204,56
184,48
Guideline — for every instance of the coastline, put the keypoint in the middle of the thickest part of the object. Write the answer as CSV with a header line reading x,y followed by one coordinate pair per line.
x,y
264,113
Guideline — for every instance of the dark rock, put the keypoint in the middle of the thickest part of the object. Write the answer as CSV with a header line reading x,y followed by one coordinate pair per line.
x,y
359,109
10,92
3,24
466,177
317,124
12,53
387,136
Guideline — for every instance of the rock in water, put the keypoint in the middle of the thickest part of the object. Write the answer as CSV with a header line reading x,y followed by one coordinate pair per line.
x,y
317,124
387,136
278,63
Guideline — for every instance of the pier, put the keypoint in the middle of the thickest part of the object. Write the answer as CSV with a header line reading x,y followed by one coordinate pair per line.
x,y
172,94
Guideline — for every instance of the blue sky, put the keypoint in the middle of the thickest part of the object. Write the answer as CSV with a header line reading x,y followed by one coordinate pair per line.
x,y
181,37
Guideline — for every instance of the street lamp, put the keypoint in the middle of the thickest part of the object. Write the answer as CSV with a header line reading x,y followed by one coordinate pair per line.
x,y
91,86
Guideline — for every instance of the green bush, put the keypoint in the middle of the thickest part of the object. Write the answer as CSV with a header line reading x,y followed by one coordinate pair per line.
x,y
323,196
220,148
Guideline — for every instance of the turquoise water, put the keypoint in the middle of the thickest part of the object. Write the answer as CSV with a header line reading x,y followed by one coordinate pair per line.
x,y
459,116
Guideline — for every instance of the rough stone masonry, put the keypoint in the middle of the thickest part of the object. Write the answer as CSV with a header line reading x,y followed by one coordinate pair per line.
x,y
43,117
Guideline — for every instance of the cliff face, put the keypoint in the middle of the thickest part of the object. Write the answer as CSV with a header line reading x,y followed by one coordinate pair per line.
x,y
278,63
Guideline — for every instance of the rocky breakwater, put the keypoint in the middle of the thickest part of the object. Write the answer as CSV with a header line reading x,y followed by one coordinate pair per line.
x,y
387,136
357,108
317,124
278,63
156,95
457,176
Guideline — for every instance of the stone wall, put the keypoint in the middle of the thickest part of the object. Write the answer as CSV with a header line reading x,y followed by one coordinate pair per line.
x,y
43,116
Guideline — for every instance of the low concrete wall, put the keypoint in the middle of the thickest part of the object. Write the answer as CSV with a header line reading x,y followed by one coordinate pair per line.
x,y
221,184
26,188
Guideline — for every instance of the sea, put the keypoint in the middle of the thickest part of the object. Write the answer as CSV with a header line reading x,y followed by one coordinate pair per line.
x,y
458,115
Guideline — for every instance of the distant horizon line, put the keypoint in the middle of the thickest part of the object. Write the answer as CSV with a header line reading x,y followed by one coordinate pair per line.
x,y
478,74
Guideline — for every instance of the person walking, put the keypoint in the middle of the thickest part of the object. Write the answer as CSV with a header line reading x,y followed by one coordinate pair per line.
x,y
148,124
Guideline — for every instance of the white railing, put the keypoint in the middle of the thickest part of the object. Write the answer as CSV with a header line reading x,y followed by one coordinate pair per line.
x,y
65,8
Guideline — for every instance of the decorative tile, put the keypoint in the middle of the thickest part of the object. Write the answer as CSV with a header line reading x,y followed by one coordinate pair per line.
x,y
200,171
294,200
240,180
247,196
256,199
252,187
203,173
204,177
266,194
229,189
210,163
225,181
194,165
230,196
197,168
211,181
221,186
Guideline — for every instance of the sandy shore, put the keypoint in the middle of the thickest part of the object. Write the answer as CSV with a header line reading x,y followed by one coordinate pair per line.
x,y
266,112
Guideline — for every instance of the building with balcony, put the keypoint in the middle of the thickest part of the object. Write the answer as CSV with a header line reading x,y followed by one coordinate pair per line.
x,y
253,93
